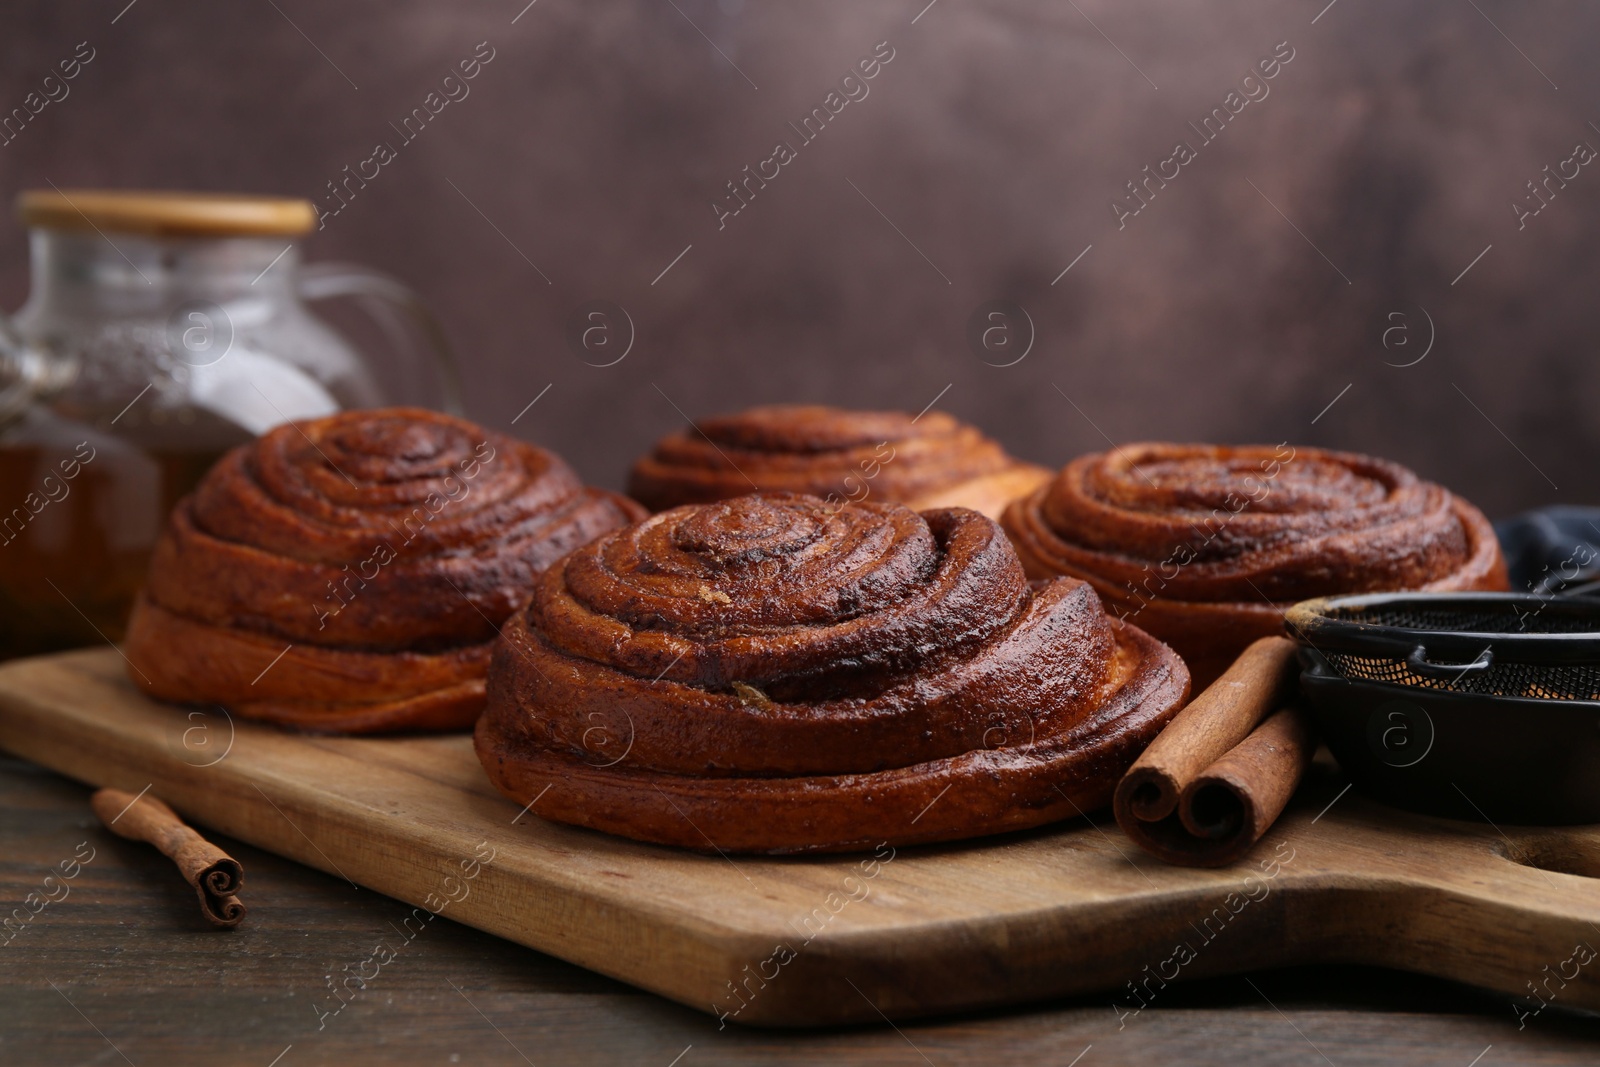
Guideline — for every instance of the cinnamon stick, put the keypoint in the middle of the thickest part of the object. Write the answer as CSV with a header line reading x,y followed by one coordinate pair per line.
x,y
1221,772
214,875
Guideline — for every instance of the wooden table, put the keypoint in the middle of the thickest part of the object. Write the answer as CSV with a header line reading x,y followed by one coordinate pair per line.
x,y
123,970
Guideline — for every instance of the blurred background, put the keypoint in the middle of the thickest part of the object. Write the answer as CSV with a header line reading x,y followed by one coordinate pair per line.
x,y
1255,297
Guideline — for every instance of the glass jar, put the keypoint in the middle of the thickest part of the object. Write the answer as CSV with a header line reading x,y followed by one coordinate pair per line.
x,y
160,330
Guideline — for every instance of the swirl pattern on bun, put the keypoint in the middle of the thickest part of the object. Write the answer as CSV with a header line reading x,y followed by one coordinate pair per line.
x,y
926,461
773,673
349,574
1206,546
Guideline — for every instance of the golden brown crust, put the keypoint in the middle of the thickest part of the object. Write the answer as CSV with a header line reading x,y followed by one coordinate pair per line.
x,y
309,688
926,461
1206,546
776,674
382,549
988,494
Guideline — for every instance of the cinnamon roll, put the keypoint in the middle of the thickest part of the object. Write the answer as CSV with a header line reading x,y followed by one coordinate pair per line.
x,y
1206,546
927,461
349,574
775,673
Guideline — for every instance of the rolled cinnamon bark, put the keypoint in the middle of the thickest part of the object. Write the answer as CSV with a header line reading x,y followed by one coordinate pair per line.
x,y
215,876
1219,775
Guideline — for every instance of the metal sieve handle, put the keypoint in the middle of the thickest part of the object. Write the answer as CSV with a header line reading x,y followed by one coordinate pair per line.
x,y
1418,661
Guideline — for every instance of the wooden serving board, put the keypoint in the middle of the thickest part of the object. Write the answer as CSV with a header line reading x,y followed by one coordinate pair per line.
x,y
806,941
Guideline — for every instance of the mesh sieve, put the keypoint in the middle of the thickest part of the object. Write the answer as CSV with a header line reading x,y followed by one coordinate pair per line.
x,y
1508,645
1471,617
1499,679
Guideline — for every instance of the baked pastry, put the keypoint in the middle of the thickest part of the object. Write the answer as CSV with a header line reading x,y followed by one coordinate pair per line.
x,y
1206,546
775,673
349,574
926,461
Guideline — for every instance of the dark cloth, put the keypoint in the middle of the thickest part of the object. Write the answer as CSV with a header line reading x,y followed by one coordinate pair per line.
x,y
1552,549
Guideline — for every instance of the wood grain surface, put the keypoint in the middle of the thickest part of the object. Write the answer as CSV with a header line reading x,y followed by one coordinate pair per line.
x,y
157,986
1031,917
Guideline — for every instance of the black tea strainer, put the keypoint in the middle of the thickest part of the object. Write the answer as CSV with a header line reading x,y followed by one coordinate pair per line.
x,y
1481,706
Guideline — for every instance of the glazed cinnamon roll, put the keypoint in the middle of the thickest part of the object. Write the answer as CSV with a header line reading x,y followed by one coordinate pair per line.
x,y
775,673
926,461
1206,546
349,574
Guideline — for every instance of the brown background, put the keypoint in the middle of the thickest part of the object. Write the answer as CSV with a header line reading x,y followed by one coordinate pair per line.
x,y
1395,140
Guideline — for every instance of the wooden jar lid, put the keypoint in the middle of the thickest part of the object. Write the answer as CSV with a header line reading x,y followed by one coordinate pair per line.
x,y
166,214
